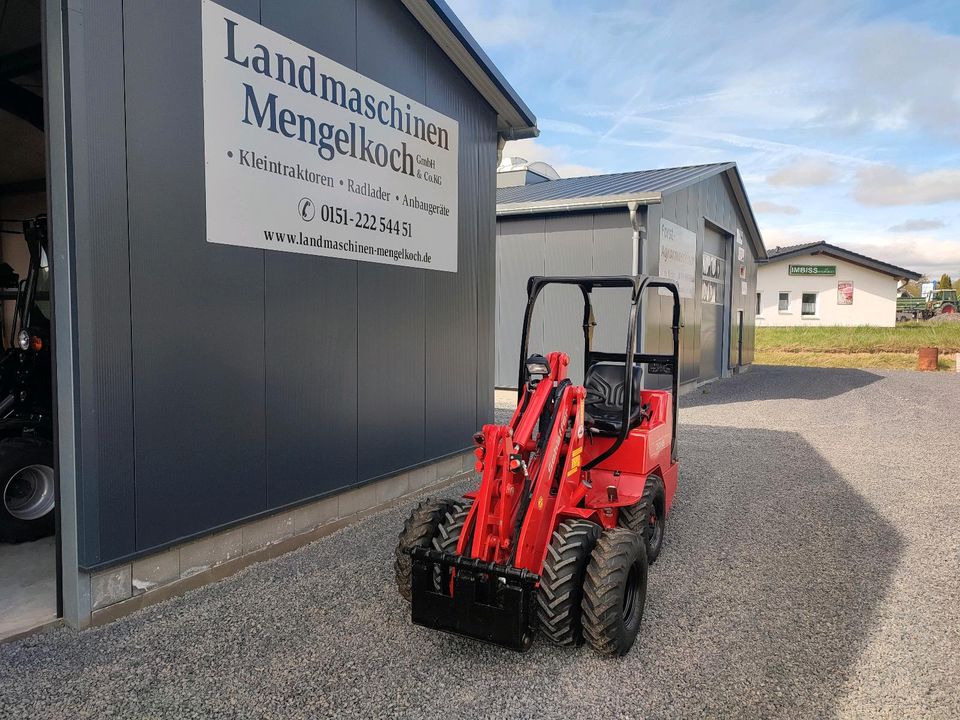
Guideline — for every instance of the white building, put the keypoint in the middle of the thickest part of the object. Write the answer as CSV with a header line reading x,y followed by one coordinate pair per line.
x,y
822,284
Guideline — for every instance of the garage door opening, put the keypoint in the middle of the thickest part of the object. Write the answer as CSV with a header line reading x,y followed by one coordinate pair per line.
x,y
28,545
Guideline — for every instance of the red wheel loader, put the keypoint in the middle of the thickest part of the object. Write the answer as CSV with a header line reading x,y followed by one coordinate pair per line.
x,y
573,496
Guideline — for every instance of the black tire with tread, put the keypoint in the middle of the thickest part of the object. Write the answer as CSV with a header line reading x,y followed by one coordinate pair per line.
x,y
561,582
636,517
607,626
418,531
17,453
449,530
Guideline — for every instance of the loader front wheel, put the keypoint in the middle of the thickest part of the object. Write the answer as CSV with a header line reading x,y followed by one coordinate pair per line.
x,y
614,592
418,531
448,533
561,582
647,517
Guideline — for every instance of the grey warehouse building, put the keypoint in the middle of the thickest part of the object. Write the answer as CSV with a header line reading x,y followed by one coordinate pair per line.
x,y
218,400
692,224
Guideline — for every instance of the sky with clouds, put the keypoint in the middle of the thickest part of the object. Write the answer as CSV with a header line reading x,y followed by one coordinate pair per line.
x,y
844,117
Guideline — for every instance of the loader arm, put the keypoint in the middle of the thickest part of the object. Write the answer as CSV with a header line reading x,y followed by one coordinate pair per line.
x,y
519,465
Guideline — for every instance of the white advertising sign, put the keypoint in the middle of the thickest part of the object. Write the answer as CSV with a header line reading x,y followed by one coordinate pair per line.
x,y
678,257
305,155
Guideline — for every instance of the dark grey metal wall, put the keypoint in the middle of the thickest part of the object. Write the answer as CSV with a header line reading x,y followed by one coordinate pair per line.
x,y
601,243
709,201
222,382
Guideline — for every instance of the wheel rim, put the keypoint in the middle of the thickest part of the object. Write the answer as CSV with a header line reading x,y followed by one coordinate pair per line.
x,y
654,527
28,494
630,592
949,309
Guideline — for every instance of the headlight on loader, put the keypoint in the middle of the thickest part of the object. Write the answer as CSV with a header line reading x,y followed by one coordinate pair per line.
x,y
23,340
537,365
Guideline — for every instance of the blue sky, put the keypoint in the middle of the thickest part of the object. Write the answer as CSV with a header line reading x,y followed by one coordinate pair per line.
x,y
844,118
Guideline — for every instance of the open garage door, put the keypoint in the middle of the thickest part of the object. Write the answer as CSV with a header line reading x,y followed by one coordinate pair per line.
x,y
28,550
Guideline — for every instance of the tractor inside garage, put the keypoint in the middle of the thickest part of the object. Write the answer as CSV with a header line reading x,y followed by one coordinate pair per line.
x,y
28,555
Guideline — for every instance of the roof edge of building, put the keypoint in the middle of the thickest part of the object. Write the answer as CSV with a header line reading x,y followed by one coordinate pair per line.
x,y
822,247
515,121
753,227
599,202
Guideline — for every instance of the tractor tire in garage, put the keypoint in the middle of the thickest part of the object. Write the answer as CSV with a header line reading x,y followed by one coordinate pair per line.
x,y
418,531
448,533
28,489
614,592
647,517
561,582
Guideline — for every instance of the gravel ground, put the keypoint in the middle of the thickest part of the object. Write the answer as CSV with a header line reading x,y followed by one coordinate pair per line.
x,y
810,570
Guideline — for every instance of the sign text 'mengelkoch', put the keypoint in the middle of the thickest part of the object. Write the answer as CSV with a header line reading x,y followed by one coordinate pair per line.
x,y
330,140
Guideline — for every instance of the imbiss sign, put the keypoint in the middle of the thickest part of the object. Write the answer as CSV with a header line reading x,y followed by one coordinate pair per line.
x,y
305,155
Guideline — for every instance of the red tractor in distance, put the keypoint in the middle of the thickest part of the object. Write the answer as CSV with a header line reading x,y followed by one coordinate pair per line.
x,y
573,496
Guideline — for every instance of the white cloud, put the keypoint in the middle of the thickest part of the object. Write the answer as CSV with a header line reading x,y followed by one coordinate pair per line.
x,y
772,208
773,148
883,185
499,28
921,254
561,157
562,126
805,172
917,225
901,77
785,237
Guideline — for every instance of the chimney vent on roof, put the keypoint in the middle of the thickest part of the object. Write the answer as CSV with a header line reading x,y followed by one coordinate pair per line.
x,y
514,171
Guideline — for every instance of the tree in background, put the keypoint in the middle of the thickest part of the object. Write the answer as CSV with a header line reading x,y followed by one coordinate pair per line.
x,y
956,284
945,282
911,288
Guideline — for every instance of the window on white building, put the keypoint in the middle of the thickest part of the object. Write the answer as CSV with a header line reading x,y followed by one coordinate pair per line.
x,y
809,304
784,305
758,303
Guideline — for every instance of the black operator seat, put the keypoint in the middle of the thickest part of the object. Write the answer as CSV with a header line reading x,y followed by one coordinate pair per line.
x,y
603,408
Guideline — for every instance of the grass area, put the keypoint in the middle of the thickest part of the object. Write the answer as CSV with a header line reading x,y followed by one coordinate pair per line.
x,y
877,361
904,338
857,347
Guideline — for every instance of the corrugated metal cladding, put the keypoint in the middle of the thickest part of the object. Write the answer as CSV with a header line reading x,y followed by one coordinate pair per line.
x,y
221,382
641,181
578,243
567,244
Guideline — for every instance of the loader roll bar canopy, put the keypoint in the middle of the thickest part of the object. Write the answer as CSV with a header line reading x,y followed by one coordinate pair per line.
x,y
638,285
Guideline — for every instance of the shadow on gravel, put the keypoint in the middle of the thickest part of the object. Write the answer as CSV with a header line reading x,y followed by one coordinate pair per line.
x,y
769,382
768,588
772,580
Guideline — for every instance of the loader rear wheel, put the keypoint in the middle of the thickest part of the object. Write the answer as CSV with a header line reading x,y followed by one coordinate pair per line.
x,y
647,517
448,533
561,582
418,531
614,592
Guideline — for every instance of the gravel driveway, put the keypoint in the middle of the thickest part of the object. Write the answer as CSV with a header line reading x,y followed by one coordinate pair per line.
x,y
810,570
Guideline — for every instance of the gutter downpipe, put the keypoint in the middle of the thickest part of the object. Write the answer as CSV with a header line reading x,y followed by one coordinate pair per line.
x,y
637,247
639,233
